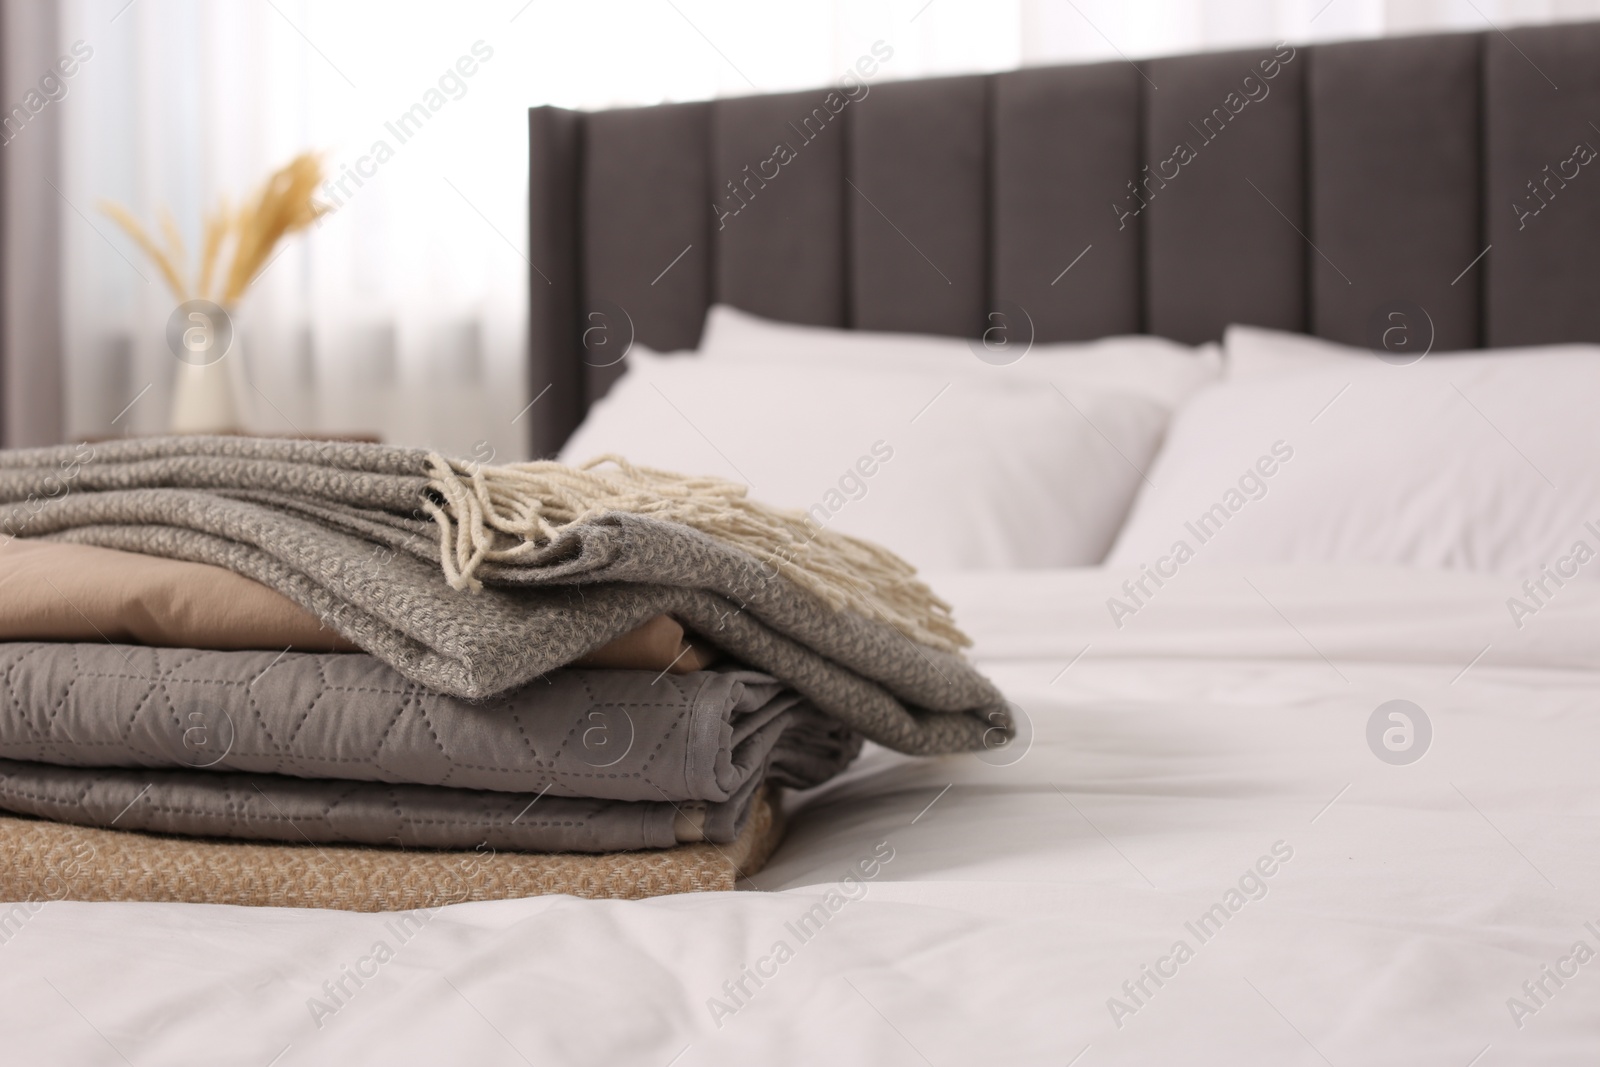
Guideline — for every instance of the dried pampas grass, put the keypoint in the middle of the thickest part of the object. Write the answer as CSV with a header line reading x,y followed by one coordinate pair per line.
x,y
283,206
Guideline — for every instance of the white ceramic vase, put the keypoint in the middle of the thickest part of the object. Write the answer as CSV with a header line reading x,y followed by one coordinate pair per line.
x,y
211,397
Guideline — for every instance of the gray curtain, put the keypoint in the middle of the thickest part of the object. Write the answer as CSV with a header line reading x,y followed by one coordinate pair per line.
x,y
32,396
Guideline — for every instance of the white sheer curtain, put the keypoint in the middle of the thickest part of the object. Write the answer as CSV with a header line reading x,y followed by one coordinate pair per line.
x,y
403,313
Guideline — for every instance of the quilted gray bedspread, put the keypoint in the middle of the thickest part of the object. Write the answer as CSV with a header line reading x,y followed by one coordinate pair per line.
x,y
321,811
341,748
337,528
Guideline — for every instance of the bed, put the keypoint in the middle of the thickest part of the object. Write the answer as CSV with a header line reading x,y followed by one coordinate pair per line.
x,y
1009,903
1321,793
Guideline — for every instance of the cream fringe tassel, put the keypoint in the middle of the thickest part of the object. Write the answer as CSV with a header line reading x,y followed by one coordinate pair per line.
x,y
503,514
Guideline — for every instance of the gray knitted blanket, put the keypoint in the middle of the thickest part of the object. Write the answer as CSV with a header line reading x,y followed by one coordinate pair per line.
x,y
339,529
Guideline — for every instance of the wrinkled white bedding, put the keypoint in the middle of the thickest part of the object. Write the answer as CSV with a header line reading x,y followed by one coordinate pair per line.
x,y
1209,758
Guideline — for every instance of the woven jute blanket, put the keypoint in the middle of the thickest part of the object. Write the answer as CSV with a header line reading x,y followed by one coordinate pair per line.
x,y
43,861
473,582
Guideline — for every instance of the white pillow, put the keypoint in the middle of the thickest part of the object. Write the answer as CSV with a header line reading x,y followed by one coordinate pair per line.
x,y
1479,461
1153,367
1252,352
949,471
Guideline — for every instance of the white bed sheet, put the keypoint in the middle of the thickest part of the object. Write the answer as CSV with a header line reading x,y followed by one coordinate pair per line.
x,y
1226,717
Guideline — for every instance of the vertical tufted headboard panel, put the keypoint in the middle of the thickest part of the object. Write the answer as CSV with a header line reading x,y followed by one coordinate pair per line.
x,y
1313,189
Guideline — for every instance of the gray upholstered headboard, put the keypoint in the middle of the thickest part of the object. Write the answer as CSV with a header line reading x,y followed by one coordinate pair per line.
x,y
1185,193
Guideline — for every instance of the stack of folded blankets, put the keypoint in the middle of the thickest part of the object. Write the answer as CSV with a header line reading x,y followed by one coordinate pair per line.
x,y
339,675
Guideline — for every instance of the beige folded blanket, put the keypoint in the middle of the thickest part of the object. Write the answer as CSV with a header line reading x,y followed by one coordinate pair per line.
x,y
52,591
42,861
